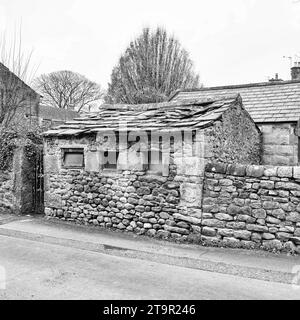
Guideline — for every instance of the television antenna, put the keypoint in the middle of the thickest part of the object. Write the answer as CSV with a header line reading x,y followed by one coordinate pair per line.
x,y
289,58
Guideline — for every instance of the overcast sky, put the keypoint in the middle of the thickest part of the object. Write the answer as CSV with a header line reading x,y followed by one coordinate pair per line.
x,y
230,42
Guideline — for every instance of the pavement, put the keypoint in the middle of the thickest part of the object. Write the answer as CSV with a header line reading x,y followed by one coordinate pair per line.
x,y
64,258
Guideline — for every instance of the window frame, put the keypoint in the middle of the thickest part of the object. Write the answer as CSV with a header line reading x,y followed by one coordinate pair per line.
x,y
64,151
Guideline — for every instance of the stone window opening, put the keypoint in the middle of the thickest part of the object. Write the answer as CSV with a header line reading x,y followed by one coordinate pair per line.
x,y
110,158
155,161
73,158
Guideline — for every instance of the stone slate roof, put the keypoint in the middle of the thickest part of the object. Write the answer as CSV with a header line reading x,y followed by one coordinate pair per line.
x,y
266,102
168,116
56,114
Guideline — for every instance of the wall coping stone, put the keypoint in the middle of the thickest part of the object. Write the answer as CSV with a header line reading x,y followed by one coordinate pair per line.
x,y
256,171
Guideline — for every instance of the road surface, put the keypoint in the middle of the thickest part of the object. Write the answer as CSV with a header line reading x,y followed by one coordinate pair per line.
x,y
36,270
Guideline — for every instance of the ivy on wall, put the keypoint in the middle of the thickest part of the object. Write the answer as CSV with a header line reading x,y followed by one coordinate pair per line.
x,y
33,146
10,140
7,146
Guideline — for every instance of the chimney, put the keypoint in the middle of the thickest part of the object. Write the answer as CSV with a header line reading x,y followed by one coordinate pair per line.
x,y
276,79
295,71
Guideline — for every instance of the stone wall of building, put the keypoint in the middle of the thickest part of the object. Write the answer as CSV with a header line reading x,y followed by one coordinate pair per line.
x,y
252,206
234,138
280,144
25,98
132,199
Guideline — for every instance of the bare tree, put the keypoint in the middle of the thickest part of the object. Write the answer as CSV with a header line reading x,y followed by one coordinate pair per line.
x,y
15,69
65,89
152,68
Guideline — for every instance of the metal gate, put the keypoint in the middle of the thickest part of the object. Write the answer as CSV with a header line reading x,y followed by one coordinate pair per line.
x,y
38,184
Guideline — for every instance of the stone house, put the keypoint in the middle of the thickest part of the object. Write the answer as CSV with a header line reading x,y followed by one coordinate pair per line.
x,y
275,108
141,167
26,99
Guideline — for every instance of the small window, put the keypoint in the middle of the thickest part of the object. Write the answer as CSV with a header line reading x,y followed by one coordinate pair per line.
x,y
155,161
73,158
110,160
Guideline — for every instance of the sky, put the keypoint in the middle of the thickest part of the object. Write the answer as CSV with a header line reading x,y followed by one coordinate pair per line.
x,y
230,42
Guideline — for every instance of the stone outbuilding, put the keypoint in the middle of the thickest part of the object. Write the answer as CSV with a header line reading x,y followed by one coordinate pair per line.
x,y
275,108
141,167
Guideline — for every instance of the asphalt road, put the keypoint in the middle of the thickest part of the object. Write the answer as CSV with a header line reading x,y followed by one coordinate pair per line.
x,y
36,270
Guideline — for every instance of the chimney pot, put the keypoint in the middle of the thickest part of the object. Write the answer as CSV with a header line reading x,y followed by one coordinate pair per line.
x,y
295,71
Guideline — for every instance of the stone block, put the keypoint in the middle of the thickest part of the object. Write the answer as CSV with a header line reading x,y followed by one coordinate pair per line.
x,y
268,236
256,237
225,232
270,205
189,219
224,216
231,242
287,150
235,225
293,216
272,244
216,167
255,171
242,234
267,184
245,218
278,213
296,172
234,210
52,164
191,195
270,171
53,200
257,228
176,230
236,170
285,172
213,223
259,213
276,160
283,236
207,231
92,161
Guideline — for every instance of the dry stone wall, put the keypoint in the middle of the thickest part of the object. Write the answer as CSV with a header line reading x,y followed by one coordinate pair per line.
x,y
129,201
252,206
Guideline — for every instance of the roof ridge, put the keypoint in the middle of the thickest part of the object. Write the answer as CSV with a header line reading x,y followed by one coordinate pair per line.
x,y
236,86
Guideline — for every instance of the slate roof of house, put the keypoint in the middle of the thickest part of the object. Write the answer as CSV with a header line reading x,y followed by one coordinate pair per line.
x,y
56,114
159,116
6,69
266,102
